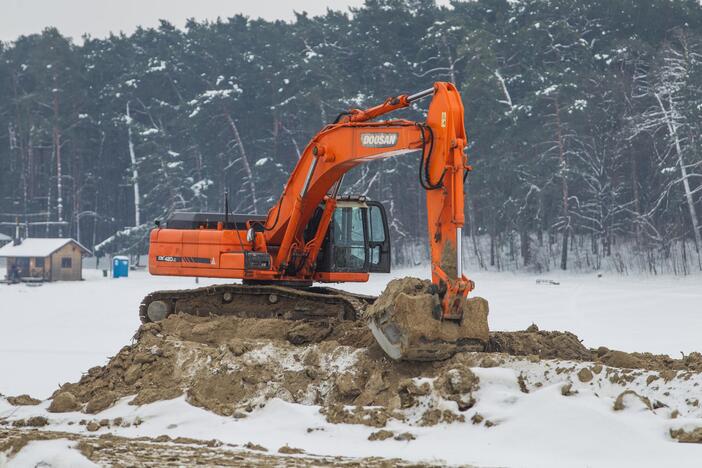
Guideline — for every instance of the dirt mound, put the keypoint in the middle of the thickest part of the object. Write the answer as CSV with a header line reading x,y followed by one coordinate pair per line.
x,y
225,364
566,345
690,437
545,344
23,400
660,362
231,366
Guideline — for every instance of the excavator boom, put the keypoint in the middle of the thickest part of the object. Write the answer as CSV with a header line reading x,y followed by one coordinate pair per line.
x,y
313,235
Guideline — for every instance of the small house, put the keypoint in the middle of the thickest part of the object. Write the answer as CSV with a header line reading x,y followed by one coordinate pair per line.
x,y
4,239
50,259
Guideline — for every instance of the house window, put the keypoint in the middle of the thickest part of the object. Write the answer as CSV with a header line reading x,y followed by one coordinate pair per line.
x,y
66,262
39,262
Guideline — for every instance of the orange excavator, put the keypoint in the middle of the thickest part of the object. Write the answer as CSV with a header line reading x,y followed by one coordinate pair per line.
x,y
314,235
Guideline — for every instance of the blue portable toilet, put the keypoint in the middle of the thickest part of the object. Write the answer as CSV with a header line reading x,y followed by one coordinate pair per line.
x,y
120,266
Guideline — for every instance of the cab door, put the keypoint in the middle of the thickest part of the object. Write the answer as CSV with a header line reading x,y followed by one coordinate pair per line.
x,y
378,238
348,232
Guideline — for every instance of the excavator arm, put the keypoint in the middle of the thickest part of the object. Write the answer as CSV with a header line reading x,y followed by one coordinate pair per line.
x,y
355,140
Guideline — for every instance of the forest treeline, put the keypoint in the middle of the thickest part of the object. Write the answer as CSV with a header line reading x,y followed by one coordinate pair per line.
x,y
583,118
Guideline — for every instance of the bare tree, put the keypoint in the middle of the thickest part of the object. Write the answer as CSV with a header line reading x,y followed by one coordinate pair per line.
x,y
135,170
671,113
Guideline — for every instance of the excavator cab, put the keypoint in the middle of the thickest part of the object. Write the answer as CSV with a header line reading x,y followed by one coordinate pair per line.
x,y
358,239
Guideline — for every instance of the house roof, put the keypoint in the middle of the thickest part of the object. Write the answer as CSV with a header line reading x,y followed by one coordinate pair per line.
x,y
37,247
4,238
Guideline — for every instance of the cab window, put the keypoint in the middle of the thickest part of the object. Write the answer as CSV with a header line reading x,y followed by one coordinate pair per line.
x,y
349,239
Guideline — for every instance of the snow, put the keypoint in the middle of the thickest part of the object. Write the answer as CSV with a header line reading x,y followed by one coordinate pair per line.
x,y
156,65
201,185
53,333
580,104
547,91
36,247
57,453
212,94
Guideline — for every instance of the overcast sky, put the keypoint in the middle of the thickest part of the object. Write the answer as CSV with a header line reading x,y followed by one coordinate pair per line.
x,y
98,17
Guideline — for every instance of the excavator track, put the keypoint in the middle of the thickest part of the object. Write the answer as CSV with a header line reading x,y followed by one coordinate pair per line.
x,y
256,301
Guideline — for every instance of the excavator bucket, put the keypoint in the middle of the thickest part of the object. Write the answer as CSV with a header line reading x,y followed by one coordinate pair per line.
x,y
403,321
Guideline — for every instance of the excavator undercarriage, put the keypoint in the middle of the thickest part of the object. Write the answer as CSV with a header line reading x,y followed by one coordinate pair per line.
x,y
256,301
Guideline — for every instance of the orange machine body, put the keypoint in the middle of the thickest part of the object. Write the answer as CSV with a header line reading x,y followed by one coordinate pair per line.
x,y
222,251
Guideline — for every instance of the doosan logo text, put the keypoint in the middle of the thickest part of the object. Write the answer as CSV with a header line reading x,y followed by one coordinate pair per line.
x,y
378,140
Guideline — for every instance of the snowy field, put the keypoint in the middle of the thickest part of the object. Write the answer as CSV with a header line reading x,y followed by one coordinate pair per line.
x,y
53,333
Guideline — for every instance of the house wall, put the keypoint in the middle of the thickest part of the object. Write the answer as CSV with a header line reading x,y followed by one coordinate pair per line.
x,y
57,272
34,270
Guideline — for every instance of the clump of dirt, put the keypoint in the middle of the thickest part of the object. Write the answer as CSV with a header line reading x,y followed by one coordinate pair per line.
x,y
405,436
544,344
585,375
660,362
287,450
23,400
34,421
626,397
380,435
374,417
257,447
690,437
64,402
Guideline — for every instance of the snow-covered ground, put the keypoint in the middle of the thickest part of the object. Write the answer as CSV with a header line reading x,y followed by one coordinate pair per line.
x,y
48,454
541,428
53,333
